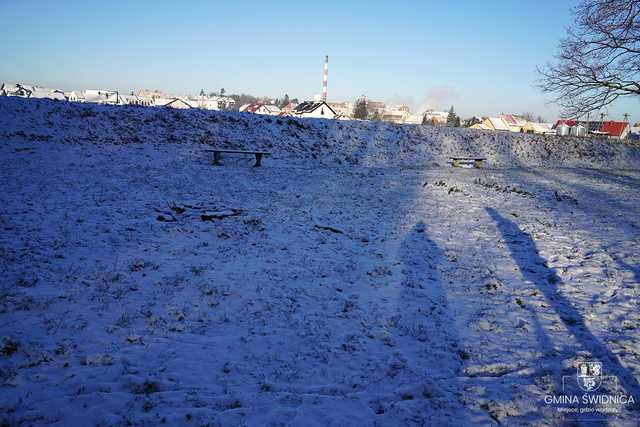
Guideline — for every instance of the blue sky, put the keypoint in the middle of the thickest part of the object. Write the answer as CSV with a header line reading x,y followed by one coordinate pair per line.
x,y
479,57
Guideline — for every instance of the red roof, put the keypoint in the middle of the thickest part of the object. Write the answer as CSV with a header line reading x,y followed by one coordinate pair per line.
x,y
566,122
252,108
614,128
610,127
509,119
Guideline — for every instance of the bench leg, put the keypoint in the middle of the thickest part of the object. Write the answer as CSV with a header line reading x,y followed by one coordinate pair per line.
x,y
258,160
216,158
477,164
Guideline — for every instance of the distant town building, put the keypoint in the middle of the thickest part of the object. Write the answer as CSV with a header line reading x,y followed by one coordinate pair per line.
x,y
15,89
514,122
618,130
76,96
102,96
46,93
538,128
342,108
147,93
213,102
375,108
287,109
257,108
317,109
435,117
415,119
493,123
179,103
562,129
132,99
396,114
28,91
578,130
608,129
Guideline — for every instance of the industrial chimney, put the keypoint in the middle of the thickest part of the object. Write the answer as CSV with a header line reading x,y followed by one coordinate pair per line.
x,y
325,77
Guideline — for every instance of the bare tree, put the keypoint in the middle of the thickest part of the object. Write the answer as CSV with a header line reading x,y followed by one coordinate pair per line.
x,y
599,60
360,109
527,116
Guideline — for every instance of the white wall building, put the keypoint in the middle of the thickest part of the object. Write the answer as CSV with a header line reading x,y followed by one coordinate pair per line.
x,y
396,114
16,89
28,91
101,96
436,117
214,102
76,96
320,110
257,108
143,101
342,108
179,103
46,93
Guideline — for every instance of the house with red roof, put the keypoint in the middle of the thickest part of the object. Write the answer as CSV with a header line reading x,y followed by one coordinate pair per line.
x,y
514,123
618,130
258,108
609,129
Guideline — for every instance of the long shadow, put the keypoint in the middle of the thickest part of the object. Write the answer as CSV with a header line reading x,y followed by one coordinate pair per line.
x,y
607,204
532,266
424,314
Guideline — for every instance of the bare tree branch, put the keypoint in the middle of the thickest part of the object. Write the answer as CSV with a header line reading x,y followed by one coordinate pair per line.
x,y
599,59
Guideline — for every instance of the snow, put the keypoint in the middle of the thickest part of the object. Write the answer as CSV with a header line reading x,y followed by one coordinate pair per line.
x,y
343,283
304,142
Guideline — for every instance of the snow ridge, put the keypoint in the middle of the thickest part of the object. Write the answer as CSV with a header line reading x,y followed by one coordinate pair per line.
x,y
303,141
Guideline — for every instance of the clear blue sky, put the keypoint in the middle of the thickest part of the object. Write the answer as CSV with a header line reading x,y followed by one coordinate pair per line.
x,y
480,57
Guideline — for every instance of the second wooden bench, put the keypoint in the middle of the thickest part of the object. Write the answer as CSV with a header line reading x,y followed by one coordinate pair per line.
x,y
477,161
217,155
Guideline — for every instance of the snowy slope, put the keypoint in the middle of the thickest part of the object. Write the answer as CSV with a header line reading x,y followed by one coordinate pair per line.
x,y
302,140
142,286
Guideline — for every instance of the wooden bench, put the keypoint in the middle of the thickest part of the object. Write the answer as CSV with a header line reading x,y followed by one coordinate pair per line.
x,y
217,155
477,161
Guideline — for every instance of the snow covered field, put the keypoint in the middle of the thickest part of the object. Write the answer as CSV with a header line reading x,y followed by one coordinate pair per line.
x,y
142,286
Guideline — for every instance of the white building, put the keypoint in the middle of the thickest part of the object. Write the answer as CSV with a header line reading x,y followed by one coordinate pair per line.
x,y
75,96
493,123
539,128
101,96
563,129
147,93
213,102
375,108
435,117
320,110
179,103
16,89
143,101
28,91
396,114
342,108
257,108
46,93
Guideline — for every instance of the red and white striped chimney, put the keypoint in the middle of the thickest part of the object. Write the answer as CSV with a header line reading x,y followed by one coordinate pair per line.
x,y
325,77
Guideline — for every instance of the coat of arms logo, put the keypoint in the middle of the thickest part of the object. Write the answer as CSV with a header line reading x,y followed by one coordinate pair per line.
x,y
589,375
